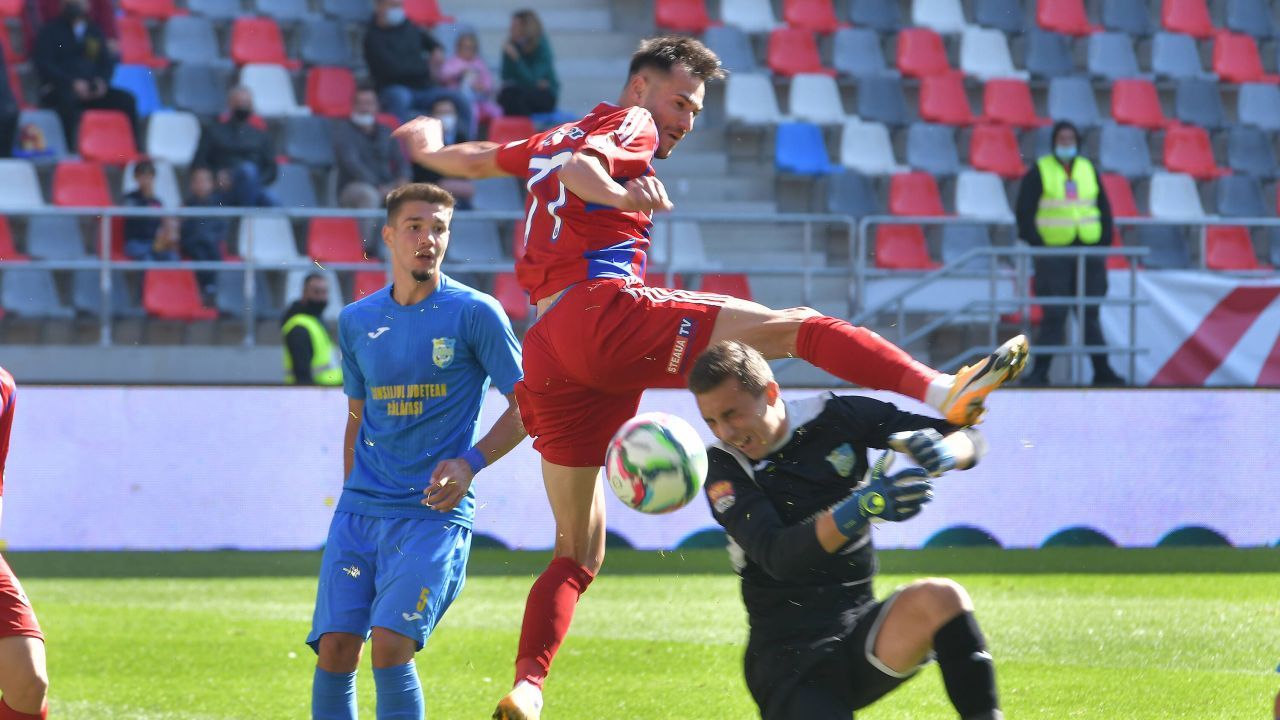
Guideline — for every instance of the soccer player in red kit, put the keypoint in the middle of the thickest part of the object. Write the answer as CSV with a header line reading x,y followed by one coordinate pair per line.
x,y
602,336
23,680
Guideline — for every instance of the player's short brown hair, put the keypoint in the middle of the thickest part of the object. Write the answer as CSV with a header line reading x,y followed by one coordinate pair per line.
x,y
730,359
668,51
426,192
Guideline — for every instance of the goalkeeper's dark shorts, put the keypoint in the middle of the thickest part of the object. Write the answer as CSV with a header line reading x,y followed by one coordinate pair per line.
x,y
822,679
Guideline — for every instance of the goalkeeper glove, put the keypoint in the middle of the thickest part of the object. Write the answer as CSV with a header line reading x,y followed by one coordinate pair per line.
x,y
926,448
882,496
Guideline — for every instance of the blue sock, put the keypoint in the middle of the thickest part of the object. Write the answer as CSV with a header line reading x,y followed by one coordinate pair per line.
x,y
333,696
399,693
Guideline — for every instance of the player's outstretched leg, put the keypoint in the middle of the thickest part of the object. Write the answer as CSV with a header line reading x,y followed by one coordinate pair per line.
x,y
23,680
577,502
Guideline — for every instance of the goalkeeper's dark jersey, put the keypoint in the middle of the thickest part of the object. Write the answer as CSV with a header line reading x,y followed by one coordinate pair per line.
x,y
790,585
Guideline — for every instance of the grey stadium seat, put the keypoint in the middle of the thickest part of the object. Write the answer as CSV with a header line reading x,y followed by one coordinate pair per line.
x,y
1005,15
86,294
857,52
1239,196
734,48
1250,16
29,292
189,39
932,148
1198,102
55,237
50,126
958,239
1176,56
1111,56
229,295
1168,246
1258,104
225,10
497,194
1127,16
1071,98
201,89
287,11
881,99
348,10
474,241
324,42
307,140
1249,151
293,186
1123,149
1049,54
851,193
879,15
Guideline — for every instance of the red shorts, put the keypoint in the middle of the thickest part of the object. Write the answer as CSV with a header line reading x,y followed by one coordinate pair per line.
x,y
16,615
591,356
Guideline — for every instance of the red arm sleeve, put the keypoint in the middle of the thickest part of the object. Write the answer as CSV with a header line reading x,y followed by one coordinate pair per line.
x,y
513,157
625,142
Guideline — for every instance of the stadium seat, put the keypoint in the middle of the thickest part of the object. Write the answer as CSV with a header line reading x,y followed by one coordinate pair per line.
x,y
1250,16
1229,247
921,53
1173,196
324,42
961,238
307,141
334,240
1175,56
348,10
268,240
1187,150
508,129
1111,56
55,237
512,297
902,247
47,124
882,99
8,249
140,82
31,292
801,150
173,136
994,148
425,12
678,243
154,9
883,16
1239,196
943,100
1198,102
815,98
166,187
272,90
135,43
1063,16
1123,149
1190,17
1135,102
751,16
814,15
981,195
223,10
851,193
1167,246
689,16
1049,54
1236,59
173,295
190,39
1117,262
1072,99
932,148
1259,105
284,11
293,186
258,40
915,194
857,52
1130,17
1119,195
867,148
943,16
367,282
984,54
1249,151
77,183
497,194
229,296
749,100
1008,101
21,185
200,89
474,241
1006,16
734,48
331,91
792,52
734,284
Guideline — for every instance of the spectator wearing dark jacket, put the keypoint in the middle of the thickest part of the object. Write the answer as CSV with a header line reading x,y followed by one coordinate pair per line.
x,y
370,163
148,238
8,112
203,238
75,66
240,152
529,83
404,62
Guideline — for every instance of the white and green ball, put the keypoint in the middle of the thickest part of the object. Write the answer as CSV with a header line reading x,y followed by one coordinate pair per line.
x,y
656,463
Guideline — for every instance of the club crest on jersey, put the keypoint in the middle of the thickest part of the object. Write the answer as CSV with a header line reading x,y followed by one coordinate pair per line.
x,y
842,459
721,496
442,352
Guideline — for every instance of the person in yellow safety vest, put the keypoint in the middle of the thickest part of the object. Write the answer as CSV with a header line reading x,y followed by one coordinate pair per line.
x,y
310,355
1062,203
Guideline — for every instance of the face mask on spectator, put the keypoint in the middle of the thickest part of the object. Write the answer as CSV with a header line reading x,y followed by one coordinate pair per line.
x,y
241,113
395,15
1065,152
312,307
362,120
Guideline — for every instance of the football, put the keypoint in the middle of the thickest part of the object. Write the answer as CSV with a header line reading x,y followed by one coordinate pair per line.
x,y
656,463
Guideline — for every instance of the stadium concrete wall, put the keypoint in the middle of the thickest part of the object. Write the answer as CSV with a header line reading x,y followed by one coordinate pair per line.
x,y
156,468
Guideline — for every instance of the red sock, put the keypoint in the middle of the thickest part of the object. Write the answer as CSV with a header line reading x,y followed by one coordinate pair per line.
x,y
861,357
547,614
8,713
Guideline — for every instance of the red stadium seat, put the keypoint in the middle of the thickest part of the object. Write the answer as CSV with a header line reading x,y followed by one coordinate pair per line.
x,y
77,183
902,247
1063,16
1189,17
368,282
943,100
8,251
507,129
331,91
734,284
921,53
115,240
1119,195
815,15
332,239
388,120
1134,101
258,40
1230,248
173,295
688,16
1008,101
158,9
106,136
1236,59
135,43
795,52
425,12
1187,150
994,148
514,300
11,8
1116,262
915,194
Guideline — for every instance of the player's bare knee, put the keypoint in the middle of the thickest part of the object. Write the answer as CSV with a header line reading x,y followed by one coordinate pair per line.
x,y
937,600
339,652
391,649
776,337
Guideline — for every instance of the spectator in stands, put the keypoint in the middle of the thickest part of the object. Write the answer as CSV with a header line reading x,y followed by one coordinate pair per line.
x,y
101,12
202,238
240,151
404,61
310,355
148,238
370,163
529,84
1061,203
462,189
75,66
468,73
8,111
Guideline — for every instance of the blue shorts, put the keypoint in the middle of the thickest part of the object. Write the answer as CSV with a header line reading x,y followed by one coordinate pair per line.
x,y
395,573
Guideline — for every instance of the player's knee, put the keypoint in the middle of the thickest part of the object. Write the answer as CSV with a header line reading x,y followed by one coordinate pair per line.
x,y
339,652
391,649
937,600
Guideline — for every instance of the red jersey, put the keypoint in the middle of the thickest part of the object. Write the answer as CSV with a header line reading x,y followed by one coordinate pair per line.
x,y
8,393
568,240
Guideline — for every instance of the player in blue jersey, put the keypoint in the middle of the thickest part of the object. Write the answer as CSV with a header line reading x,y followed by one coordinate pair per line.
x,y
418,358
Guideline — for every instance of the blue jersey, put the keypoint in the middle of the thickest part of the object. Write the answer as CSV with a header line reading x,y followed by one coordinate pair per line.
x,y
422,371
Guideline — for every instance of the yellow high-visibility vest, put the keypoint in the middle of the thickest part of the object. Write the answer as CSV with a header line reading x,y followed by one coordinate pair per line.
x,y
1060,220
325,365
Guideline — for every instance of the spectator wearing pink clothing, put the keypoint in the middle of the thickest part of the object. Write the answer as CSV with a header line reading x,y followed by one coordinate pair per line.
x,y
468,73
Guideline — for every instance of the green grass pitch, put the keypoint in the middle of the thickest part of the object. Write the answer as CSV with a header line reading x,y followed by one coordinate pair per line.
x,y
1096,633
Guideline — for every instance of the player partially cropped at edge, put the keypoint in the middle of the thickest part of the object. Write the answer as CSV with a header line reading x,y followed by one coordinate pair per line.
x,y
784,481
602,337
417,357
